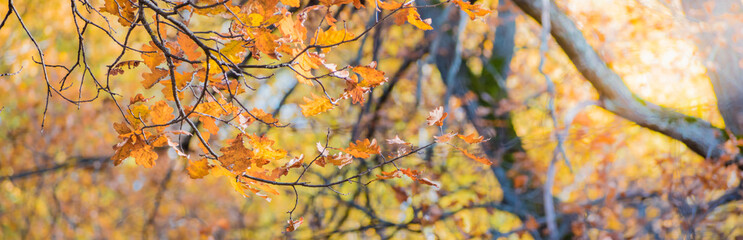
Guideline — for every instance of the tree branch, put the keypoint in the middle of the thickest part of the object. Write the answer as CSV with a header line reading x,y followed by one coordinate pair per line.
x,y
699,135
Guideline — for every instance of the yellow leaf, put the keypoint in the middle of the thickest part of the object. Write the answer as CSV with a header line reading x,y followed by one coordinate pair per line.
x,y
291,3
198,169
315,106
472,10
363,148
161,113
415,19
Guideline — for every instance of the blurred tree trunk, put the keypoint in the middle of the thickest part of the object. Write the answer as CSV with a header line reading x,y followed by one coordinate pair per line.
x,y
718,42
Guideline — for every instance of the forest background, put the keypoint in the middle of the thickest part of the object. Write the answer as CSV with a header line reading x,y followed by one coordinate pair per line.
x,y
384,119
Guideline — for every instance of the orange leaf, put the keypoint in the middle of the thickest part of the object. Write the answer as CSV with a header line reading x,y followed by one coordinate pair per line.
x,y
388,5
370,77
293,225
161,113
153,77
315,106
354,91
152,56
291,3
122,9
476,158
472,10
363,148
198,169
444,137
436,117
472,138
188,46
236,157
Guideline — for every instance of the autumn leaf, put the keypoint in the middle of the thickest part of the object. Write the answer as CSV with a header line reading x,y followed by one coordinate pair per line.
x,y
476,158
363,148
315,106
119,68
236,157
472,10
472,138
152,55
354,91
198,169
436,117
122,9
153,77
161,113
330,37
388,5
339,159
188,46
295,162
397,141
293,225
414,18
444,137
291,3
370,77
412,174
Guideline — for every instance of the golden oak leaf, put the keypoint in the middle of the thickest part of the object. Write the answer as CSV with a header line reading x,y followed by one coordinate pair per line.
x,y
161,113
472,138
291,3
330,37
122,129
284,170
436,117
370,77
339,159
153,77
239,187
138,114
188,46
472,10
233,50
152,55
143,154
354,91
414,18
305,63
444,137
263,151
122,9
265,42
198,169
388,5
263,116
363,148
476,158
315,106
236,157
